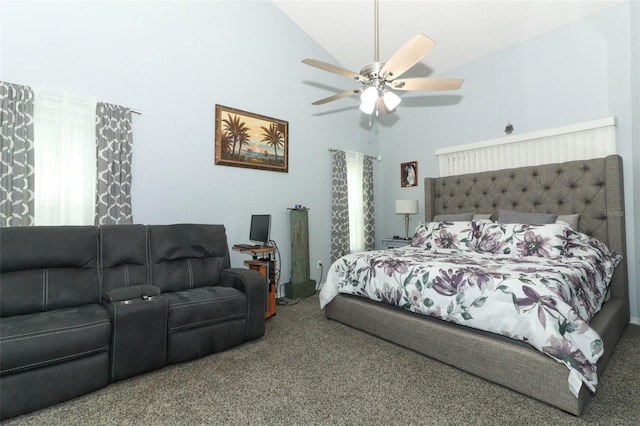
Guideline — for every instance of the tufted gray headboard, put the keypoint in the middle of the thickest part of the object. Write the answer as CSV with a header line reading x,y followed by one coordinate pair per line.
x,y
593,188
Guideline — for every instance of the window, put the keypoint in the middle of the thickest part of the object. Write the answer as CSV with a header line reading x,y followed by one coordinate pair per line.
x,y
356,199
64,159
352,206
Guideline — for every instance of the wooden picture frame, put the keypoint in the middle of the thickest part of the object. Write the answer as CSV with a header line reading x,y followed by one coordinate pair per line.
x,y
245,139
409,174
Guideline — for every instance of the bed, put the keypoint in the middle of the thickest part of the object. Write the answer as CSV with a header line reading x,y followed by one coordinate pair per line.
x,y
591,188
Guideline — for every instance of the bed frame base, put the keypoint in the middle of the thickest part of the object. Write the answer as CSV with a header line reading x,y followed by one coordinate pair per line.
x,y
477,352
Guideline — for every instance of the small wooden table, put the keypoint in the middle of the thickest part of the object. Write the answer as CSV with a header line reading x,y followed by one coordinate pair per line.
x,y
263,263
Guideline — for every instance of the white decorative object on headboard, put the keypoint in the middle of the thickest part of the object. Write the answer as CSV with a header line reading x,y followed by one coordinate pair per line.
x,y
582,141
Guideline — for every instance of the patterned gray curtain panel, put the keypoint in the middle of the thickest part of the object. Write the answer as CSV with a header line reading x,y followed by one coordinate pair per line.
x,y
114,143
368,205
17,162
339,207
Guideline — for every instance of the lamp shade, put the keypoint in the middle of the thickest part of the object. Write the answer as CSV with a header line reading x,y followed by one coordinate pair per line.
x,y
391,100
406,206
368,99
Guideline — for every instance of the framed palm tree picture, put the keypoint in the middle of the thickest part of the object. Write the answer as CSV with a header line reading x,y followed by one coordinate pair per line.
x,y
244,139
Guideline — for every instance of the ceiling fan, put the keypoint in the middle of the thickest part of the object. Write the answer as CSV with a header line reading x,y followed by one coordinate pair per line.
x,y
380,78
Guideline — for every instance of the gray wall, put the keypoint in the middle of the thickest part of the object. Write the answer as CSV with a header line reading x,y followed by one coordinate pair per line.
x,y
583,71
174,61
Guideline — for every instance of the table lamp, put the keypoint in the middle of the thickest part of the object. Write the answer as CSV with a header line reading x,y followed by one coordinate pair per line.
x,y
406,207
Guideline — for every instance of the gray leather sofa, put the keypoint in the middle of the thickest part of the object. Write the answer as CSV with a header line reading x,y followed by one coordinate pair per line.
x,y
83,306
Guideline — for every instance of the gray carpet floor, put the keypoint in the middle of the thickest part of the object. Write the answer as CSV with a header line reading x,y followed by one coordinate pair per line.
x,y
308,370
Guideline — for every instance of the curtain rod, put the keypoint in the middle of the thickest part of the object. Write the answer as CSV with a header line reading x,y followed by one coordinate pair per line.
x,y
379,157
133,110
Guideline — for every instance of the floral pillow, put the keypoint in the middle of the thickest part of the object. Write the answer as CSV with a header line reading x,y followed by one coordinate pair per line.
x,y
577,244
581,246
518,239
448,235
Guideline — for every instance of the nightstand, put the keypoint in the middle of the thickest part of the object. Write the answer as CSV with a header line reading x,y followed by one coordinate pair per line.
x,y
391,243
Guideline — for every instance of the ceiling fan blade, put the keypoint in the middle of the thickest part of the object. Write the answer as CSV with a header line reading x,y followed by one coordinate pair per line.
x,y
407,56
335,69
427,84
336,97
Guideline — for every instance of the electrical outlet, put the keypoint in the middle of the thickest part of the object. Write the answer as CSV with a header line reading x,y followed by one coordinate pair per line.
x,y
319,264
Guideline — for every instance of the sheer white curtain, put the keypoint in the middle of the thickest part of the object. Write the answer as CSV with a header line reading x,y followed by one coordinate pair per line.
x,y
355,167
65,158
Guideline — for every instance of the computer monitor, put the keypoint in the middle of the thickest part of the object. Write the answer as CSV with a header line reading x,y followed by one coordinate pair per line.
x,y
259,232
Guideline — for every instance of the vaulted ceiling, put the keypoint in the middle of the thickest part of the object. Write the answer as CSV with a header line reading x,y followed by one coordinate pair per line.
x,y
463,30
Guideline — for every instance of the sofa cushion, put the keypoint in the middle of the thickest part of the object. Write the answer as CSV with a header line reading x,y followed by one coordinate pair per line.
x,y
123,256
204,306
43,268
187,256
37,340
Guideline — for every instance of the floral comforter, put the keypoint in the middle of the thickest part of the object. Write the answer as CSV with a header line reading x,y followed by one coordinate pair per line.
x,y
544,301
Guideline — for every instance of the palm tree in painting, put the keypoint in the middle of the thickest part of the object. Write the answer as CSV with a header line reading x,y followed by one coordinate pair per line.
x,y
242,140
237,130
225,144
274,136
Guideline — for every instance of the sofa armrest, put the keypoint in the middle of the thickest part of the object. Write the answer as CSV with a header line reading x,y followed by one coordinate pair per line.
x,y
254,287
139,322
129,293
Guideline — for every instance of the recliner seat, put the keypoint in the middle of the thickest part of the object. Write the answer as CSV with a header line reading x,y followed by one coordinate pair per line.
x,y
53,328
206,314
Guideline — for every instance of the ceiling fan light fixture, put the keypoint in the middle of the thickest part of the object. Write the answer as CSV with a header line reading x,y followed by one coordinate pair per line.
x,y
379,78
368,99
391,100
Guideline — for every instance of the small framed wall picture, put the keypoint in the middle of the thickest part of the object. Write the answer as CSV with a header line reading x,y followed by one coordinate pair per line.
x,y
409,174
